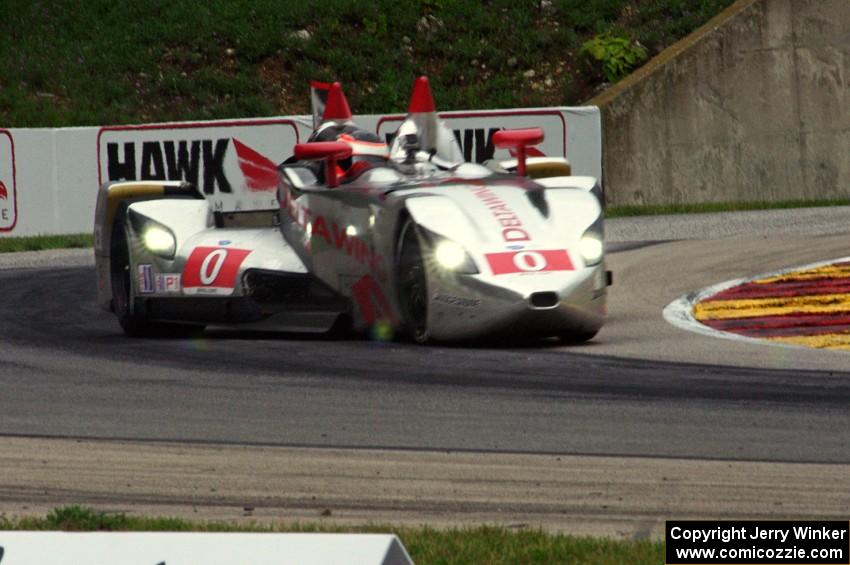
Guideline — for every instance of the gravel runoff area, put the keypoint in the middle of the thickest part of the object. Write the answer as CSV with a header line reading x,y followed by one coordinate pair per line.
x,y
44,259
788,222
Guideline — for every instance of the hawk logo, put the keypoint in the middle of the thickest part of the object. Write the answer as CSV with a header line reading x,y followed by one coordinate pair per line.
x,y
4,194
200,162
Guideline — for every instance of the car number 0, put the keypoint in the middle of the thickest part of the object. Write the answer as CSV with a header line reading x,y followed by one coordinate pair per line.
x,y
208,275
530,261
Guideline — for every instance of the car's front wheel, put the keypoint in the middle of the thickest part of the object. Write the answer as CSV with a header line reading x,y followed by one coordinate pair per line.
x,y
134,323
575,338
412,279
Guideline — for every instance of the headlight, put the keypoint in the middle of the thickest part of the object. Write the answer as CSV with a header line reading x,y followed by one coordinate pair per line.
x,y
449,254
591,248
159,240
452,256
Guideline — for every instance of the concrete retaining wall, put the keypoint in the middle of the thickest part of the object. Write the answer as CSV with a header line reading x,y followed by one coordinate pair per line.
x,y
755,105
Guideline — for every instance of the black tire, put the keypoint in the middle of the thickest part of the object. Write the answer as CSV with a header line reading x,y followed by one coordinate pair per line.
x,y
576,338
132,321
412,278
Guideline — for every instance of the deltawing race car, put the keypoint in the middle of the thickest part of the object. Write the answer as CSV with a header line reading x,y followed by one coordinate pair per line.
x,y
406,239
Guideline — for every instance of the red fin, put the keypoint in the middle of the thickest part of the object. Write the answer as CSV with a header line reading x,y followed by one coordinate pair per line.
x,y
336,108
421,99
260,172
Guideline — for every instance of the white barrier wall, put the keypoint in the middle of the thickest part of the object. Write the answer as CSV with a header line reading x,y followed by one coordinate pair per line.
x,y
49,177
161,548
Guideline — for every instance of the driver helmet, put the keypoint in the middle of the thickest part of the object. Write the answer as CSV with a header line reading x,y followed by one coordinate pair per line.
x,y
367,149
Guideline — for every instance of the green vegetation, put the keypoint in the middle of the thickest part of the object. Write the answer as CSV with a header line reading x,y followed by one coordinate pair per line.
x,y
42,242
708,207
67,63
482,544
617,53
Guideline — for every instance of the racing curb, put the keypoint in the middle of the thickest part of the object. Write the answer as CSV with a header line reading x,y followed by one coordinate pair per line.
x,y
679,313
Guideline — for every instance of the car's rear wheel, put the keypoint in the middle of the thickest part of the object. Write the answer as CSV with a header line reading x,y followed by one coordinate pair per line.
x,y
412,279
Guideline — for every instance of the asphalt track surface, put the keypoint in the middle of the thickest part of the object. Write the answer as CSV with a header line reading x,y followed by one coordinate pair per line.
x,y
66,371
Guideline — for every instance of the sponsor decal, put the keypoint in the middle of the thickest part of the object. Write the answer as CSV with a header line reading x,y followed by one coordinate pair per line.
x,y
543,261
157,283
372,301
8,191
145,279
232,163
224,242
511,224
334,235
200,162
213,270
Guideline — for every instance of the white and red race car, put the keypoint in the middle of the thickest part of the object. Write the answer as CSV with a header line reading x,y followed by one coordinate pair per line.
x,y
406,238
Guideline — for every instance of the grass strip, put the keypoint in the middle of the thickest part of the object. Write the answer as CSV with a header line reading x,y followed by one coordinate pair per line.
x,y
494,545
43,242
712,207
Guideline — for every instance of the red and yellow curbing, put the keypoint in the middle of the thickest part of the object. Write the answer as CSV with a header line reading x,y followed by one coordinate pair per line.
x,y
808,307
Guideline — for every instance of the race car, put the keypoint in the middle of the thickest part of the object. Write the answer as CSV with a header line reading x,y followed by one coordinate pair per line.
x,y
403,240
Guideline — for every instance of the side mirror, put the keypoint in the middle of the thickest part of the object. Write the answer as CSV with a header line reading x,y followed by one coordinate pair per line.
x,y
329,151
518,140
